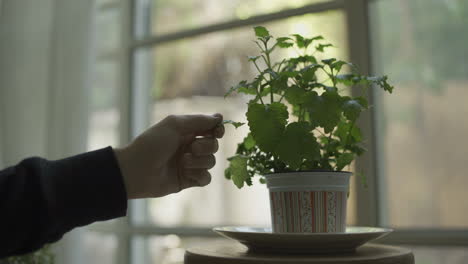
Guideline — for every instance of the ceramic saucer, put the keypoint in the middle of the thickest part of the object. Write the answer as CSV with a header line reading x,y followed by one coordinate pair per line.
x,y
263,240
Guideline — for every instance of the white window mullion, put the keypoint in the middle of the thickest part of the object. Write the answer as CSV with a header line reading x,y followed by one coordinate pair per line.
x,y
123,255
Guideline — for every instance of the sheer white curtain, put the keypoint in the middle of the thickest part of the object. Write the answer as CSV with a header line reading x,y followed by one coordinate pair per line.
x,y
45,61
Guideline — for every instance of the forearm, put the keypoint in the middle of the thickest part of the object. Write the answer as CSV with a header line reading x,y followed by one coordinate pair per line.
x,y
41,200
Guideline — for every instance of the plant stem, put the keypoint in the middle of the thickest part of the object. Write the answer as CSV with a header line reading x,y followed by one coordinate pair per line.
x,y
268,62
258,68
300,113
331,76
256,42
259,97
349,134
280,64
329,138
328,145
318,130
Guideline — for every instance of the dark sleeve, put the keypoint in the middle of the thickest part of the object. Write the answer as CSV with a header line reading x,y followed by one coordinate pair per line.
x,y
40,200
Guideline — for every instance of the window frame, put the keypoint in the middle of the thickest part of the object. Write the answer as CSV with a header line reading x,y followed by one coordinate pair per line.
x,y
133,105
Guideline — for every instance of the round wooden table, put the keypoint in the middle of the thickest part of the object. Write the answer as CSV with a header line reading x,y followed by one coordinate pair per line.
x,y
236,253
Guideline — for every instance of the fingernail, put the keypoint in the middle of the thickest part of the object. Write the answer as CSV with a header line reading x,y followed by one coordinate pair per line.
x,y
218,116
219,130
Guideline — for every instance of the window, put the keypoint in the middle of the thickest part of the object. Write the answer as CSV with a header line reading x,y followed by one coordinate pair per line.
x,y
421,125
181,56
104,119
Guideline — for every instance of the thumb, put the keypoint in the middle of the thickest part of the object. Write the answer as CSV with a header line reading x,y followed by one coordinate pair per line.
x,y
197,124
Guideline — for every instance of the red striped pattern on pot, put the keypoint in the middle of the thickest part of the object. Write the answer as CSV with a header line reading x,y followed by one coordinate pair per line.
x,y
308,211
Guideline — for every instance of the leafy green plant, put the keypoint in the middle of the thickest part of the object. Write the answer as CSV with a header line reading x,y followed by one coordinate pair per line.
x,y
299,118
41,256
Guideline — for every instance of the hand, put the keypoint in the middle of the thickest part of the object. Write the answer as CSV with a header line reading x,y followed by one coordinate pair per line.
x,y
173,155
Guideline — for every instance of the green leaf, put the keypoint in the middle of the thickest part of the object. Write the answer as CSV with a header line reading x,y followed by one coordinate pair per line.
x,y
330,89
235,124
331,111
293,62
265,91
241,87
337,65
347,134
329,61
317,38
279,84
272,73
308,72
254,58
356,134
344,160
246,90
380,81
298,143
299,40
249,142
363,177
261,32
262,180
227,173
295,94
284,42
356,149
267,123
248,181
325,110
323,140
321,47
238,170
342,130
387,87
289,74
362,101
346,79
312,103
352,109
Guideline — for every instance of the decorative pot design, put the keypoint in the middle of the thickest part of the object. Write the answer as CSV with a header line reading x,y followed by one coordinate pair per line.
x,y
308,202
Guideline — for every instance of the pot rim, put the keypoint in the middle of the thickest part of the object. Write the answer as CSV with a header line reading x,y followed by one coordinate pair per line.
x,y
291,172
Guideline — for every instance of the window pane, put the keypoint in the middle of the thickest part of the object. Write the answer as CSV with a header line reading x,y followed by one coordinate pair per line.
x,y
104,117
99,248
191,76
107,30
422,126
100,3
175,15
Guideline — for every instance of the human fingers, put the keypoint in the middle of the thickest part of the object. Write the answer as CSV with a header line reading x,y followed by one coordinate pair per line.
x,y
219,129
204,146
195,177
190,161
217,132
194,124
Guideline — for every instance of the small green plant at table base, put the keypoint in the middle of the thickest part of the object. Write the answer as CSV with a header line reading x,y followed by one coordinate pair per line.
x,y
41,256
322,134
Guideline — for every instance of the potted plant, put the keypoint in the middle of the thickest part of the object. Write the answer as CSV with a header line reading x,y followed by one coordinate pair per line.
x,y
303,132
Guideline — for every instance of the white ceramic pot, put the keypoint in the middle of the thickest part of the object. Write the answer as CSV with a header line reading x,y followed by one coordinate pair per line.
x,y
308,202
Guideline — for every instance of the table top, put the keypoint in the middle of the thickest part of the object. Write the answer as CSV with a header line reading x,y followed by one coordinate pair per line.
x,y
238,254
